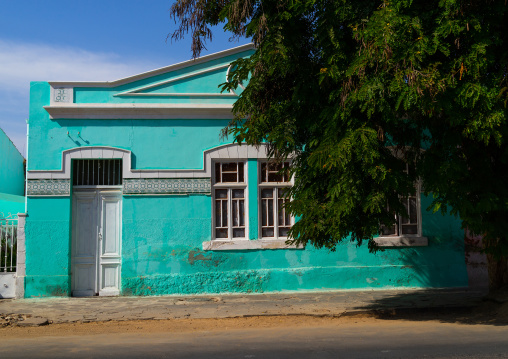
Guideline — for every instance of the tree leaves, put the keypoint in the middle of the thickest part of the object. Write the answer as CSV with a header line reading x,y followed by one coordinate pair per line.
x,y
334,83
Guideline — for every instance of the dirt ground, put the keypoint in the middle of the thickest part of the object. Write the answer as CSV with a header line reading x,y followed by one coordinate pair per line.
x,y
487,313
493,311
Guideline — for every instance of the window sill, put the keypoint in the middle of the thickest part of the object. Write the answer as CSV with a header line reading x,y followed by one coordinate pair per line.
x,y
402,241
242,244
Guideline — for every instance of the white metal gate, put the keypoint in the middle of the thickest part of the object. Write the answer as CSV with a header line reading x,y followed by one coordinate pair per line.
x,y
8,254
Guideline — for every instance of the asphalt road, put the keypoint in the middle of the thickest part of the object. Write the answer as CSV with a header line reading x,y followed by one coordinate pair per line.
x,y
376,339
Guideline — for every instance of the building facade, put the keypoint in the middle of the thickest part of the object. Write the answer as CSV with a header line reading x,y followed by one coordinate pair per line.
x,y
12,178
132,191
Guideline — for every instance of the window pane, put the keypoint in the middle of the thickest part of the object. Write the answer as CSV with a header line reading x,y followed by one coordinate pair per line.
x,y
280,212
267,232
404,219
238,193
274,177
221,233
264,213
263,171
229,167
240,172
388,231
238,232
242,213
221,193
410,229
235,213
224,214
283,231
270,212
217,172
267,193
229,177
217,214
412,210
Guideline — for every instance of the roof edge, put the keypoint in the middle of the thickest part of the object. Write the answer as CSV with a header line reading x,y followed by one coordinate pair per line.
x,y
155,72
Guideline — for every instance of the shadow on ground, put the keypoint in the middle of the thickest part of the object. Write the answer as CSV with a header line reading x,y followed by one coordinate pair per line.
x,y
491,309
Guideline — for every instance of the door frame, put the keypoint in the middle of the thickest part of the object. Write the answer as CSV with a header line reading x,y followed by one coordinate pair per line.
x,y
102,261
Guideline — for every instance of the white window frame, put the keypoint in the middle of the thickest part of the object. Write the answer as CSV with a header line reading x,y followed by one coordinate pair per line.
x,y
276,187
230,186
398,239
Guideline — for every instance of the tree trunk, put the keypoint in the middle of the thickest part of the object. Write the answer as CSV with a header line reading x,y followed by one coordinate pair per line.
x,y
498,272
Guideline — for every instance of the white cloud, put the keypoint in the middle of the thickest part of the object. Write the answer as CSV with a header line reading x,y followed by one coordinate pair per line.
x,y
21,63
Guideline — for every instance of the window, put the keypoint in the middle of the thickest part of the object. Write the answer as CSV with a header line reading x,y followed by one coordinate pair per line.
x,y
405,226
97,172
229,199
274,181
410,225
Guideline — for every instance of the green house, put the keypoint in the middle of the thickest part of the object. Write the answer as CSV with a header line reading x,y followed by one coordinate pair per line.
x,y
132,191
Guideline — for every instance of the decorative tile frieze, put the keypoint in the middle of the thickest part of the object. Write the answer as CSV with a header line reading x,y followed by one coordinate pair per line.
x,y
49,187
167,186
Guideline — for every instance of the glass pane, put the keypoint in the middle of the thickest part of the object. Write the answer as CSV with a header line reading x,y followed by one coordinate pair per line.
x,y
263,171
412,210
240,172
270,212
224,213
267,193
267,232
283,231
280,211
274,177
235,213
217,173
242,213
410,229
229,167
238,232
229,178
217,214
221,193
404,219
238,193
286,172
221,233
264,213
388,231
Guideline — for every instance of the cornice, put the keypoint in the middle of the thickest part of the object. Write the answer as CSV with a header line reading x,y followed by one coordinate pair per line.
x,y
139,111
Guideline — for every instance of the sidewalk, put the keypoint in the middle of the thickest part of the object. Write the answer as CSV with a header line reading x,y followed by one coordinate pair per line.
x,y
39,311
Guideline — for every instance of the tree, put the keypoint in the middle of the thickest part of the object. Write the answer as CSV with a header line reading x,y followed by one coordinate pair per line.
x,y
337,83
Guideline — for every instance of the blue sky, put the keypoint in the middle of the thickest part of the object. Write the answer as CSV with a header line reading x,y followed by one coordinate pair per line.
x,y
55,40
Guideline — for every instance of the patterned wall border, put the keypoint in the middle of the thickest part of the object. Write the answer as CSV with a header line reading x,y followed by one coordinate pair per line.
x,y
167,186
49,187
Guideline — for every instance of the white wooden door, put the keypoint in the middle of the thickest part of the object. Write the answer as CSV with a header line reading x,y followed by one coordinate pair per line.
x,y
96,231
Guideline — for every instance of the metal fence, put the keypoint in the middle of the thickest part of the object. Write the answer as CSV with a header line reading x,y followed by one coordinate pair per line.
x,y
8,239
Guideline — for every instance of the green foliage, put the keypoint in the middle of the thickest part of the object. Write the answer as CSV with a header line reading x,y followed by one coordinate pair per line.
x,y
335,83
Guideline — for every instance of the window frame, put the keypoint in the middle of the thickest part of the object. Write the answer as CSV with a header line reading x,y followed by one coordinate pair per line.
x,y
276,187
230,186
399,239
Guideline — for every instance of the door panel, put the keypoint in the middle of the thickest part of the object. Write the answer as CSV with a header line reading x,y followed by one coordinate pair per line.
x,y
109,235
84,244
96,238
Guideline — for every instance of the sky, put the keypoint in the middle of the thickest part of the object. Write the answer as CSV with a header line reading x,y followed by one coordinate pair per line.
x,y
55,40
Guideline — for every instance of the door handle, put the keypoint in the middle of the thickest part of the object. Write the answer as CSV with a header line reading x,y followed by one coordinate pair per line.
x,y
100,236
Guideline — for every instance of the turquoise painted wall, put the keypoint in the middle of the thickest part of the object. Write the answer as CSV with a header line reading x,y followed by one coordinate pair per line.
x,y
48,237
162,255
12,175
10,203
162,236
